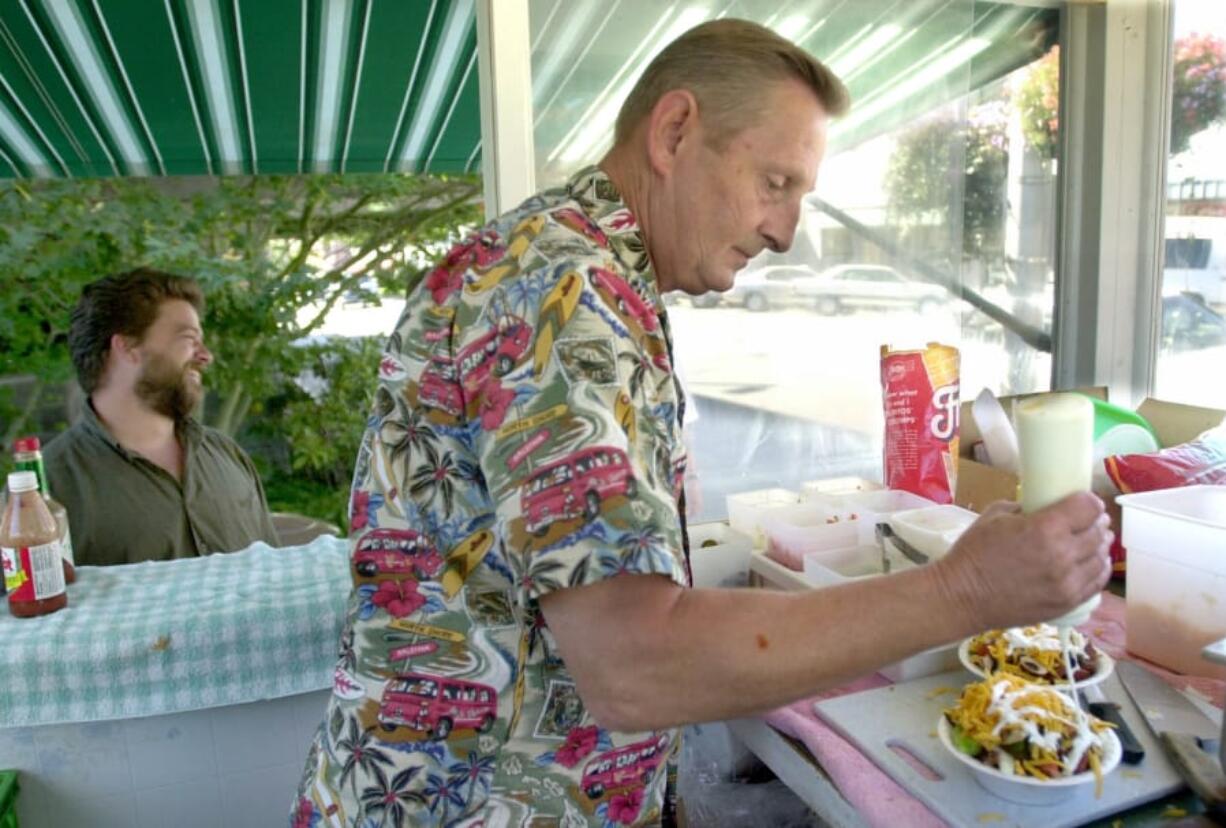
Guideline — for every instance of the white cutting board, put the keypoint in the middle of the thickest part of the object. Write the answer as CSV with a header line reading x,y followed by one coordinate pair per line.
x,y
906,714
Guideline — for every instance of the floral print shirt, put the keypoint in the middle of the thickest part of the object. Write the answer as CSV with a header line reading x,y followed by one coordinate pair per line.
x,y
525,438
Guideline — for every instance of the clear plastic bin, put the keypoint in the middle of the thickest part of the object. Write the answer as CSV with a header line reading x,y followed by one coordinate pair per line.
x,y
792,532
719,555
837,487
884,502
745,510
1176,602
932,529
837,566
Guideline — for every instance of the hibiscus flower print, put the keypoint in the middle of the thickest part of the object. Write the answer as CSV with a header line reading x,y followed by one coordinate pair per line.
x,y
305,815
444,281
399,598
495,400
364,510
624,807
580,741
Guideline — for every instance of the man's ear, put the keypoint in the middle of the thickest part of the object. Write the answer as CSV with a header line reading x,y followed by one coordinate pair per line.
x,y
123,348
673,122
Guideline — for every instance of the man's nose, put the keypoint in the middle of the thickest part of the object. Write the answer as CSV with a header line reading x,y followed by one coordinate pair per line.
x,y
203,355
779,229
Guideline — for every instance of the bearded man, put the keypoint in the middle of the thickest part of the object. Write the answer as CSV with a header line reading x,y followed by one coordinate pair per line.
x,y
143,480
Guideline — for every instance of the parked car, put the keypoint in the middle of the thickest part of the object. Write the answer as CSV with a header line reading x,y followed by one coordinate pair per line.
x,y
1188,324
847,286
760,289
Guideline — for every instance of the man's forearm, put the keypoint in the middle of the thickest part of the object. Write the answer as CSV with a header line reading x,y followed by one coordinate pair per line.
x,y
709,654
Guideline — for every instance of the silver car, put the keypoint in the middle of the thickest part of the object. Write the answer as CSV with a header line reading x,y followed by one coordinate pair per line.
x,y
848,286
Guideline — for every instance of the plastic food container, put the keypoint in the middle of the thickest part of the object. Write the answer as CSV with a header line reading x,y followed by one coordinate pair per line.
x,y
932,529
837,566
837,487
884,502
745,510
795,531
1176,602
719,555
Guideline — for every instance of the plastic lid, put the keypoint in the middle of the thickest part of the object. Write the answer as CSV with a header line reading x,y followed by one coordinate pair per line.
x,y
27,444
23,481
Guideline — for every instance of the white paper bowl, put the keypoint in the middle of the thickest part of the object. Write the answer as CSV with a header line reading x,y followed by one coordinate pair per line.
x,y
1028,790
1106,665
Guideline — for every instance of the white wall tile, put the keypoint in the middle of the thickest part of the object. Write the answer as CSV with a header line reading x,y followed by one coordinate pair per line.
x,y
194,804
84,761
251,736
260,798
164,750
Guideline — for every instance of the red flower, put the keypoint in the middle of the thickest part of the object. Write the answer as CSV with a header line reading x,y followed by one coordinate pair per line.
x,y
305,815
580,741
495,400
624,808
358,512
444,281
399,598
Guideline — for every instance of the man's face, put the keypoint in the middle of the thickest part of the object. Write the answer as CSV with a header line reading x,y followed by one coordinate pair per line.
x,y
173,357
731,203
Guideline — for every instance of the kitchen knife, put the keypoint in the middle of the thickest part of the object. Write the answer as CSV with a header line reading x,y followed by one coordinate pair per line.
x,y
1093,700
1185,733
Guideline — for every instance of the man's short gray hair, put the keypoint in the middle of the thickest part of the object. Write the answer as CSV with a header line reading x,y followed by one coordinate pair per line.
x,y
727,65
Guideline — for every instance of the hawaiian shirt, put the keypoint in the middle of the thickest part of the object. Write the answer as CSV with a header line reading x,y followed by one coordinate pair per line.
x,y
525,438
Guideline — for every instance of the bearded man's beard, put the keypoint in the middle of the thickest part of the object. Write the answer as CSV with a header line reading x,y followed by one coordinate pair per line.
x,y
167,389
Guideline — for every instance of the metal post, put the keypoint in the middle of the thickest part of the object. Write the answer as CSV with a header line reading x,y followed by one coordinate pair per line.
x,y
508,160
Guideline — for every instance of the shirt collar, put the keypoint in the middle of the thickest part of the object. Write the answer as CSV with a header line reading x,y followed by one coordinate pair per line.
x,y
596,194
188,430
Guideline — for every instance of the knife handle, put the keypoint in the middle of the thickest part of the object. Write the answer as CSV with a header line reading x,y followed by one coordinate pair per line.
x,y
1133,751
1200,770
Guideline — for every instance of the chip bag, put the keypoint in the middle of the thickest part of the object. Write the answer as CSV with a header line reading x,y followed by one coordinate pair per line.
x,y
921,399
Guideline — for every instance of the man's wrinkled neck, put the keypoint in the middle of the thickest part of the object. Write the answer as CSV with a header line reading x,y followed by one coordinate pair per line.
x,y
627,168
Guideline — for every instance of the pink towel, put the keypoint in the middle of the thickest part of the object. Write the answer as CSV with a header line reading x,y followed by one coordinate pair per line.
x,y
878,798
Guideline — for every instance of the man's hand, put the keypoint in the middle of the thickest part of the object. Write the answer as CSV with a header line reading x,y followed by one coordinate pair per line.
x,y
1009,569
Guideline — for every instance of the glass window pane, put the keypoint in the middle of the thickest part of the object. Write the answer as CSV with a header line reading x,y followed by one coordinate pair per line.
x,y
1192,344
932,184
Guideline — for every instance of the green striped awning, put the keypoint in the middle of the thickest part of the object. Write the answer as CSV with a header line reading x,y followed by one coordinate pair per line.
x,y
213,87
900,59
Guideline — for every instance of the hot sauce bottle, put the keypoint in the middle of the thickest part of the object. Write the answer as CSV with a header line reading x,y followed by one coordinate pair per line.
x,y
30,551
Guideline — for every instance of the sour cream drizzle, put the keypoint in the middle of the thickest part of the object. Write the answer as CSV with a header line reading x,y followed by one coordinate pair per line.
x,y
1042,637
1004,705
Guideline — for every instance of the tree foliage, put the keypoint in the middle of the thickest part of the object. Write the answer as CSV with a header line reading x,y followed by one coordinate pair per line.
x,y
941,158
1198,94
265,249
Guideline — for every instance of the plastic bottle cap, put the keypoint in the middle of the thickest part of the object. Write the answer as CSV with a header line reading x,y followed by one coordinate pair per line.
x,y
27,444
23,481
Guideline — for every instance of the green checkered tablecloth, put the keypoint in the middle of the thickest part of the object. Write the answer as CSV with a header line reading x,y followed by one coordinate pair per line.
x,y
170,636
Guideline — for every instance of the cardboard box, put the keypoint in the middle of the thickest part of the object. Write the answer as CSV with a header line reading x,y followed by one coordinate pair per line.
x,y
979,485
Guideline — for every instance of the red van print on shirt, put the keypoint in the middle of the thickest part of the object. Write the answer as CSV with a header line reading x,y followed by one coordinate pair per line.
x,y
617,292
631,766
396,552
440,387
495,353
436,704
575,486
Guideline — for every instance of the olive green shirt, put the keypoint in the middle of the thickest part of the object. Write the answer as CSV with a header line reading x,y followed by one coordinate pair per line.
x,y
123,508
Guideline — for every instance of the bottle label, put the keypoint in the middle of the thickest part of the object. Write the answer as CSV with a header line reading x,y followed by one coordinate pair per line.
x,y
32,573
14,575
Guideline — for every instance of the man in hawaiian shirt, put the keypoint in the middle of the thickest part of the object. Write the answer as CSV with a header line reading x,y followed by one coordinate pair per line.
x,y
522,645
